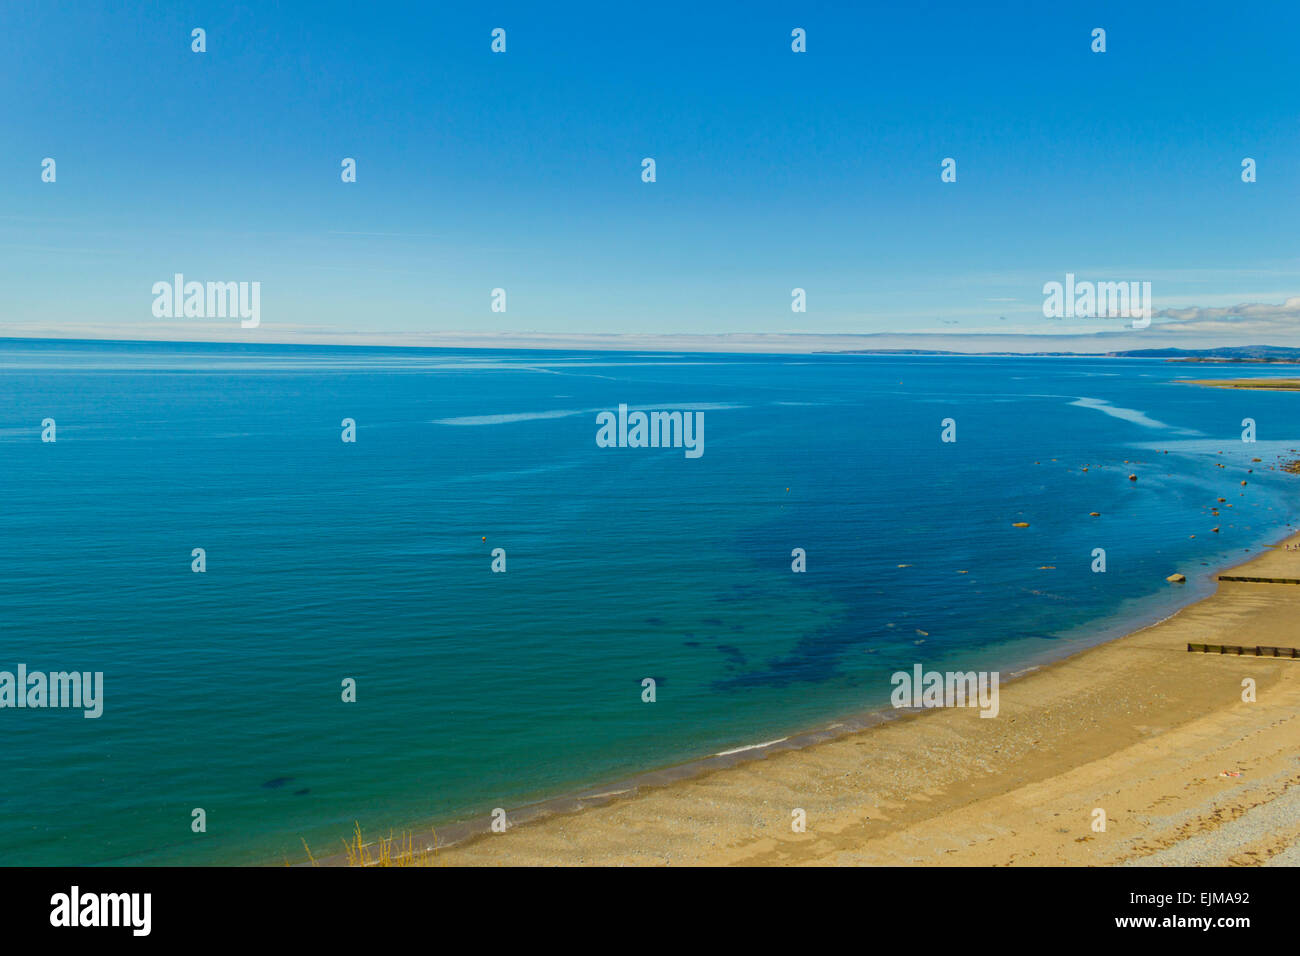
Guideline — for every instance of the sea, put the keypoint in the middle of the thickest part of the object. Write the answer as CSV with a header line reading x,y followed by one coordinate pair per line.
x,y
300,635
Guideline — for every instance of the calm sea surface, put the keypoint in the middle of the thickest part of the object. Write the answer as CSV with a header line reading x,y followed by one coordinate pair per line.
x,y
329,560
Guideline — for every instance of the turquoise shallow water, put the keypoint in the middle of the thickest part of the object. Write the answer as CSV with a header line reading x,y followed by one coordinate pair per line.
x,y
328,560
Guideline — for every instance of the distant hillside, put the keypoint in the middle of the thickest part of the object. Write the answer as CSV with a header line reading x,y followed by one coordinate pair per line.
x,y
1240,353
1262,354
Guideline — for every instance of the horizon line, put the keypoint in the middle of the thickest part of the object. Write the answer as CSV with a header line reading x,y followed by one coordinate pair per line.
x,y
757,342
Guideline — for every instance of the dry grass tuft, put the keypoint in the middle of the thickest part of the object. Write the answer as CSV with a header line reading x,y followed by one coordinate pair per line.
x,y
386,851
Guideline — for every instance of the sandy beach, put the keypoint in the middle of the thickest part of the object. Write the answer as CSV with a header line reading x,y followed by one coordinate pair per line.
x,y
1157,737
1255,384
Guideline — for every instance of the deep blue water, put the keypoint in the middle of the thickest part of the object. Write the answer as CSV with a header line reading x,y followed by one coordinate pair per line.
x,y
476,689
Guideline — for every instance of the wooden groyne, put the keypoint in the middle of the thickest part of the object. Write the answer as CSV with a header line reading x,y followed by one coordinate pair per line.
x,y
1258,651
1238,577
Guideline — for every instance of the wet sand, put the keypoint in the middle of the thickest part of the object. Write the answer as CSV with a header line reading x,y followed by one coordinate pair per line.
x,y
1138,728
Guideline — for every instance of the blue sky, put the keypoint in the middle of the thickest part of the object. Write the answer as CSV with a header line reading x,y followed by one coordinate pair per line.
x,y
522,170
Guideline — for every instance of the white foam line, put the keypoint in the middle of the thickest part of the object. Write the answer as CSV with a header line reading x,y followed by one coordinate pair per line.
x,y
741,750
570,412
1115,411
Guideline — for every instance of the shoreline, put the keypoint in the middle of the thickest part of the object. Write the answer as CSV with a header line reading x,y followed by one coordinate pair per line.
x,y
640,799
1259,384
